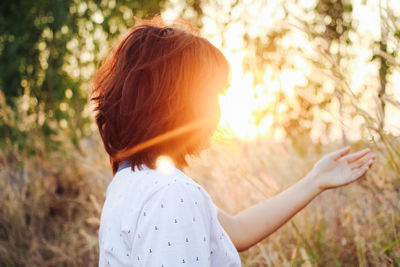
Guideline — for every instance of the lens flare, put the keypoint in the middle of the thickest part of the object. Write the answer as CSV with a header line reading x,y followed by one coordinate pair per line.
x,y
165,164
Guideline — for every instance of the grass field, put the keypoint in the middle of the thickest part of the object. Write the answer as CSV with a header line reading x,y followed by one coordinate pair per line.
x,y
50,205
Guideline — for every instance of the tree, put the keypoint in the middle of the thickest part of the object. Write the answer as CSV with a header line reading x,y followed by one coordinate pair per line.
x,y
48,52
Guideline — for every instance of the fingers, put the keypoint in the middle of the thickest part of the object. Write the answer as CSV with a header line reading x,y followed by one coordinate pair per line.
x,y
340,153
362,169
357,173
363,161
371,162
356,156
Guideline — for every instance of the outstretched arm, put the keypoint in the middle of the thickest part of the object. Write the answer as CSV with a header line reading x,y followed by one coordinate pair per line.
x,y
257,222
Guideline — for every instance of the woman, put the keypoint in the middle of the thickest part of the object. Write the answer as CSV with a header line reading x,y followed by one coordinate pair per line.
x,y
156,95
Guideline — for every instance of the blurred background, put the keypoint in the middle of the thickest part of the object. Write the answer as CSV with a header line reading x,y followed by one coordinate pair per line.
x,y
307,77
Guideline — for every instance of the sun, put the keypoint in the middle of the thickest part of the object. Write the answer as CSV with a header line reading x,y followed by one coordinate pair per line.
x,y
243,99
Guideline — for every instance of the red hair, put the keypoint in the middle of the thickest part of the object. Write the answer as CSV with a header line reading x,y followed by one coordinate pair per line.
x,y
155,82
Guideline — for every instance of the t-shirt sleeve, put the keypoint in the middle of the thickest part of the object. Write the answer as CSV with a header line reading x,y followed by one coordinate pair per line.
x,y
174,228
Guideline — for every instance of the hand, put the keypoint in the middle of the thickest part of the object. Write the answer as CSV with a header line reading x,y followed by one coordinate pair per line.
x,y
340,168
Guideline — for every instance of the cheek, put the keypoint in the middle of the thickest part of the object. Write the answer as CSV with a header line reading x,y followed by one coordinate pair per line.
x,y
210,109
218,112
214,114
214,108
216,117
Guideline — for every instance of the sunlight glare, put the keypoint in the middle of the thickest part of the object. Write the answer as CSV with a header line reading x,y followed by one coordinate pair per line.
x,y
165,164
243,98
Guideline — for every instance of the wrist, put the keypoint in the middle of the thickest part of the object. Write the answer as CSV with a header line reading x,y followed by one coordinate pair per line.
x,y
311,179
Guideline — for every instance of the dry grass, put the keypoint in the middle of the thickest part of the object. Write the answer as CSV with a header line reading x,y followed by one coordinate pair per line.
x,y
49,207
357,225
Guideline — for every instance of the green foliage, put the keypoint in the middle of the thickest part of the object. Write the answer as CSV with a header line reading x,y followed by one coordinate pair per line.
x,y
48,52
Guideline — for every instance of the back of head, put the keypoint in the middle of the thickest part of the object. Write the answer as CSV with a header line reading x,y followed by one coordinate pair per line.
x,y
155,81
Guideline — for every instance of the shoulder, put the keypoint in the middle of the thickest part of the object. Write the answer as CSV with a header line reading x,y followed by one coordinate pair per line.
x,y
179,187
148,190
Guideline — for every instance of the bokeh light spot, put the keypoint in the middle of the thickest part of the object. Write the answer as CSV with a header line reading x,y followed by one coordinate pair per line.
x,y
165,164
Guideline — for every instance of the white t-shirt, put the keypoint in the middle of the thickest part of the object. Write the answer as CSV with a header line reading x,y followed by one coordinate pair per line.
x,y
165,220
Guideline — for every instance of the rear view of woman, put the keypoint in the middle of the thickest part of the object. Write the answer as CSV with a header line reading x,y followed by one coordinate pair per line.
x,y
156,95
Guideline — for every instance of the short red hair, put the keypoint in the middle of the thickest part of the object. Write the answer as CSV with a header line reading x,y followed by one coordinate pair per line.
x,y
156,80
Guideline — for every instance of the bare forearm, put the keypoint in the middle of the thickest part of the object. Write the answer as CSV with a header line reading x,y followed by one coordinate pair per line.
x,y
333,170
259,221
